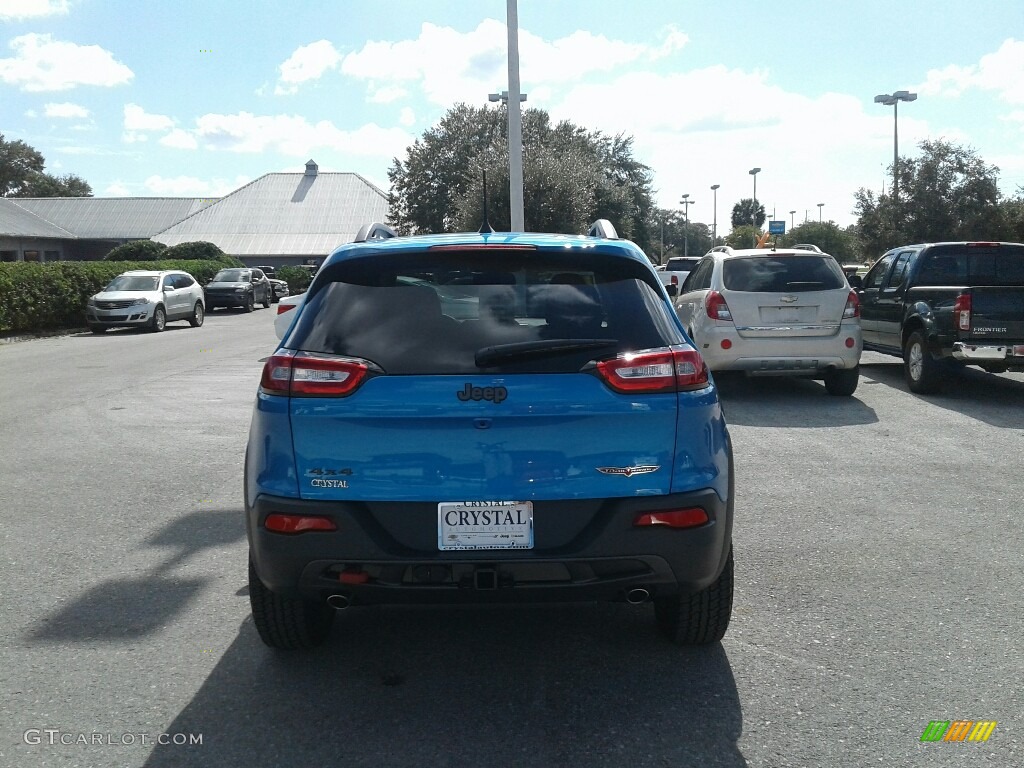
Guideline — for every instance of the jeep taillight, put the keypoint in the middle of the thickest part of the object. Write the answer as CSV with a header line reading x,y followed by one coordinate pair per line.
x,y
675,369
852,306
302,374
715,306
962,311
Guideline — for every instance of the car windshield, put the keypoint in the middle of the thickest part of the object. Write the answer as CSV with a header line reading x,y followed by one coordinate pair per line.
x,y
457,312
232,276
782,274
133,283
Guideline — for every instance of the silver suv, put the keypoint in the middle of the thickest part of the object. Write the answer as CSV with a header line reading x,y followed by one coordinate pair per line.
x,y
784,312
144,298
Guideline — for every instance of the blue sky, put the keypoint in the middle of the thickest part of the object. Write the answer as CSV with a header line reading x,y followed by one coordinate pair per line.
x,y
198,98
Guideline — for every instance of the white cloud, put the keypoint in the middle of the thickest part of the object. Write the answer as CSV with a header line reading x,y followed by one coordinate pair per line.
x,y
294,135
179,139
117,189
191,186
453,66
65,109
134,137
1002,72
31,113
27,9
308,62
407,117
137,119
44,64
388,94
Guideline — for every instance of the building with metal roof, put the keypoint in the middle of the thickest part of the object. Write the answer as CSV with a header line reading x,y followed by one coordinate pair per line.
x,y
285,218
278,219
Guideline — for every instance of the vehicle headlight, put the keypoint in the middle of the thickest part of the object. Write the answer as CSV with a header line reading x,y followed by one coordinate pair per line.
x,y
138,302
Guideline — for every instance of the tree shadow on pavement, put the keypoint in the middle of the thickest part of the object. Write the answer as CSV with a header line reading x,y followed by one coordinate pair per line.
x,y
587,685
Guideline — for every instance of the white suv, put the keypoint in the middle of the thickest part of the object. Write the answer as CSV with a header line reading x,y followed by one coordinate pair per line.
x,y
787,312
146,298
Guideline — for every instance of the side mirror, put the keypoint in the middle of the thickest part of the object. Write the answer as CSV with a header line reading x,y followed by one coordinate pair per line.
x,y
856,282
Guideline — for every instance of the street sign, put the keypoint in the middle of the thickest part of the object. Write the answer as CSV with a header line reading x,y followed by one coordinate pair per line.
x,y
777,227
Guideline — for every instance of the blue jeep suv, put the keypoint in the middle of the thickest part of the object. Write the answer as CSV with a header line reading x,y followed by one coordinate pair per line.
x,y
470,418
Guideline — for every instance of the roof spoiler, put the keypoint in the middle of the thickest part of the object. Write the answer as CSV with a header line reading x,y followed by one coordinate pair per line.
x,y
603,228
374,231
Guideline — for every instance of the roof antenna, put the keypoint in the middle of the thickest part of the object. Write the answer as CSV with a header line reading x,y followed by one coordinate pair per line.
x,y
486,226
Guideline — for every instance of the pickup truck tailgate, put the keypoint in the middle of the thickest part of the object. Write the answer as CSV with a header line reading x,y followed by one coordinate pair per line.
x,y
997,314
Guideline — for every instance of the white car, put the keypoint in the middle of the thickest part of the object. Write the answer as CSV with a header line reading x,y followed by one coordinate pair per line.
x,y
787,312
149,299
287,309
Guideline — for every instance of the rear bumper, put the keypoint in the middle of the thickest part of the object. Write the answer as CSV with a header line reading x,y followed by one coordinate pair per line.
x,y
811,356
603,561
976,353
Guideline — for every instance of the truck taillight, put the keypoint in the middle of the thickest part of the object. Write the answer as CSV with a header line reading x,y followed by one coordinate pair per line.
x,y
962,311
302,374
716,307
852,306
675,279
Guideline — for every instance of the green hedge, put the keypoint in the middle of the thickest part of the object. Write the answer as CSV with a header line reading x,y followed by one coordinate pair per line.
x,y
298,278
37,297
137,250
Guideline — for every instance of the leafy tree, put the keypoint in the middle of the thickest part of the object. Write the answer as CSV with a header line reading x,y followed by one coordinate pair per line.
x,y
570,177
679,238
137,250
1011,214
844,244
22,174
743,236
746,212
948,193
195,250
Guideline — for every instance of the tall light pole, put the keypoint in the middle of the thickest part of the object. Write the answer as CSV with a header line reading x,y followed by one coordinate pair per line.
x,y
753,216
714,225
686,202
820,206
892,100
791,215
515,122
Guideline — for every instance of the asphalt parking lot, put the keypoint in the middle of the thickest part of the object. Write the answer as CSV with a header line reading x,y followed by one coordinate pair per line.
x,y
878,568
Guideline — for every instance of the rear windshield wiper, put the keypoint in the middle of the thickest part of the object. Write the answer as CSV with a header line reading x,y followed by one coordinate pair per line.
x,y
503,352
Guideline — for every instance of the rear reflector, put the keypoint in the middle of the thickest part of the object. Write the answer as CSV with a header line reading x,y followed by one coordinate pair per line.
x,y
673,518
670,369
282,308
279,523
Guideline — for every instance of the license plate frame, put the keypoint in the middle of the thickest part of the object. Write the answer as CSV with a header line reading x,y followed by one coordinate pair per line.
x,y
484,525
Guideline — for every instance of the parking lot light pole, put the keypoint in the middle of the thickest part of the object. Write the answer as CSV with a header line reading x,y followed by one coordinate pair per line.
x,y
892,100
714,224
820,206
515,123
686,202
791,215
753,216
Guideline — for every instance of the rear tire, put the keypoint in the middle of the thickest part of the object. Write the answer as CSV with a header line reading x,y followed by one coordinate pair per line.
x,y
921,371
250,303
285,623
198,315
159,320
699,619
266,300
842,383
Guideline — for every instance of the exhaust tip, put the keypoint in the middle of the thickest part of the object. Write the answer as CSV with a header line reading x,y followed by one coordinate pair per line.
x,y
637,596
339,602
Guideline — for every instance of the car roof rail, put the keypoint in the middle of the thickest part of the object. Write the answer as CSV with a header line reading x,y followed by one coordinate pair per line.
x,y
374,231
603,228
721,249
807,247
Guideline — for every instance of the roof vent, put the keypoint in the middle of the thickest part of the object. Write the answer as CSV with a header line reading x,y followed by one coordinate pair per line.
x,y
311,168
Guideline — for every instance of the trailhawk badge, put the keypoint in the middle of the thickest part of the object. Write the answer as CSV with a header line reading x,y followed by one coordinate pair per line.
x,y
629,471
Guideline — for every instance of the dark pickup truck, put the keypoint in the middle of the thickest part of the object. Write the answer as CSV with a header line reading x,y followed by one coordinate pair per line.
x,y
941,306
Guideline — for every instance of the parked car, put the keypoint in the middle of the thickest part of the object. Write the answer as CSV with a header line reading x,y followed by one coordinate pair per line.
x,y
146,298
564,443
941,306
286,312
238,287
774,312
279,288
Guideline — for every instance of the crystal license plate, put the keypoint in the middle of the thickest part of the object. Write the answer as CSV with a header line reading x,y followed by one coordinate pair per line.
x,y
485,525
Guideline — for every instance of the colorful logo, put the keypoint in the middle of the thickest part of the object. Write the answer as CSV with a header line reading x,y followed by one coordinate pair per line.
x,y
958,730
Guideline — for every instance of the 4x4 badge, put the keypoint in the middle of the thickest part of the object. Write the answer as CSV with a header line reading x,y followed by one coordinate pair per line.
x,y
629,471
